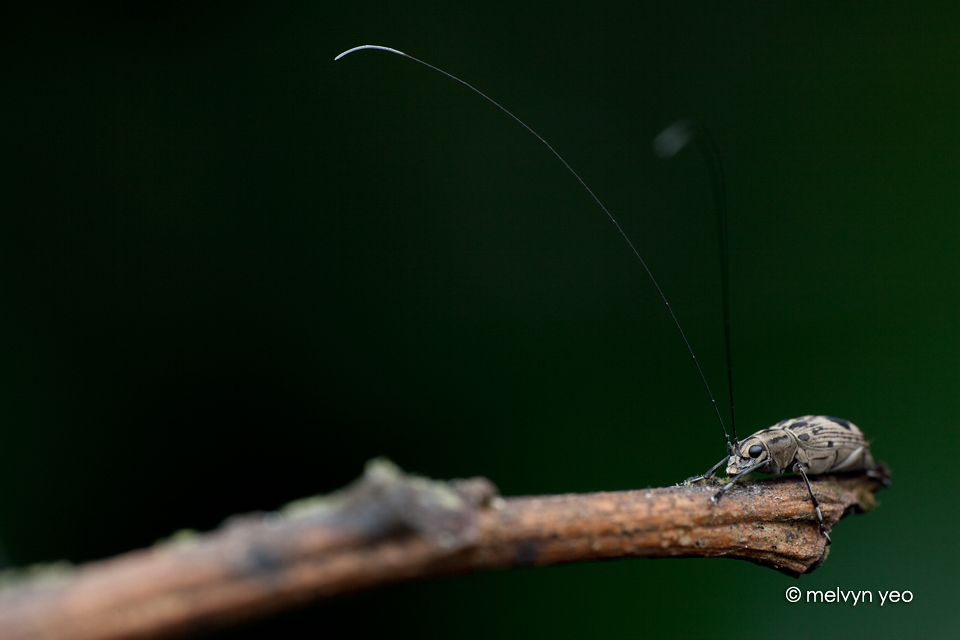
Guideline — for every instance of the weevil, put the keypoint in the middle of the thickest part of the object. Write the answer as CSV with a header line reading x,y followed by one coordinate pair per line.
x,y
809,445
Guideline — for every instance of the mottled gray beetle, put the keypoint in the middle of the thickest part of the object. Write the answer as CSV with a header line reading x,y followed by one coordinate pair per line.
x,y
808,445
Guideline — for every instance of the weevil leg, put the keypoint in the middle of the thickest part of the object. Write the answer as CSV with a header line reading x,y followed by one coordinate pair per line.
x,y
710,472
719,494
799,470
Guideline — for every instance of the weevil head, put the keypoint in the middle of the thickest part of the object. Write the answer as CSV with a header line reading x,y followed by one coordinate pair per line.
x,y
755,453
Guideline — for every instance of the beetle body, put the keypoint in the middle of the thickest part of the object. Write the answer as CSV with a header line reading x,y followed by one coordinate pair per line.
x,y
807,445
822,444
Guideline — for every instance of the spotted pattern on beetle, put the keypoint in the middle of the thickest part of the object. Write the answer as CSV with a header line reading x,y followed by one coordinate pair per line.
x,y
822,444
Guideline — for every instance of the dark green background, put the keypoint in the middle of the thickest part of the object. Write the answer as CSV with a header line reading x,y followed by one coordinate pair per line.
x,y
232,270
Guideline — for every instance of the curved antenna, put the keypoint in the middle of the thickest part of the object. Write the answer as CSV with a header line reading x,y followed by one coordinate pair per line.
x,y
667,144
592,195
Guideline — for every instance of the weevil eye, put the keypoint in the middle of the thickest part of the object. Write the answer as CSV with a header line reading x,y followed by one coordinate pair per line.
x,y
755,451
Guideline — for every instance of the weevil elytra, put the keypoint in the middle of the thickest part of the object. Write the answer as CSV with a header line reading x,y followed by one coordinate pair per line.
x,y
810,445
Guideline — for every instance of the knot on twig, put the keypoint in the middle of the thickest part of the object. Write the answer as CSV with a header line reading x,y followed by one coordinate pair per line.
x,y
386,501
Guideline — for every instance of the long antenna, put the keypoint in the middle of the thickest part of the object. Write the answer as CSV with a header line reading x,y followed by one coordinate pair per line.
x,y
710,149
730,447
666,145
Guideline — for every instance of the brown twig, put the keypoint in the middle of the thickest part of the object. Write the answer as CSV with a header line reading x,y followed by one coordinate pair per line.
x,y
388,527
